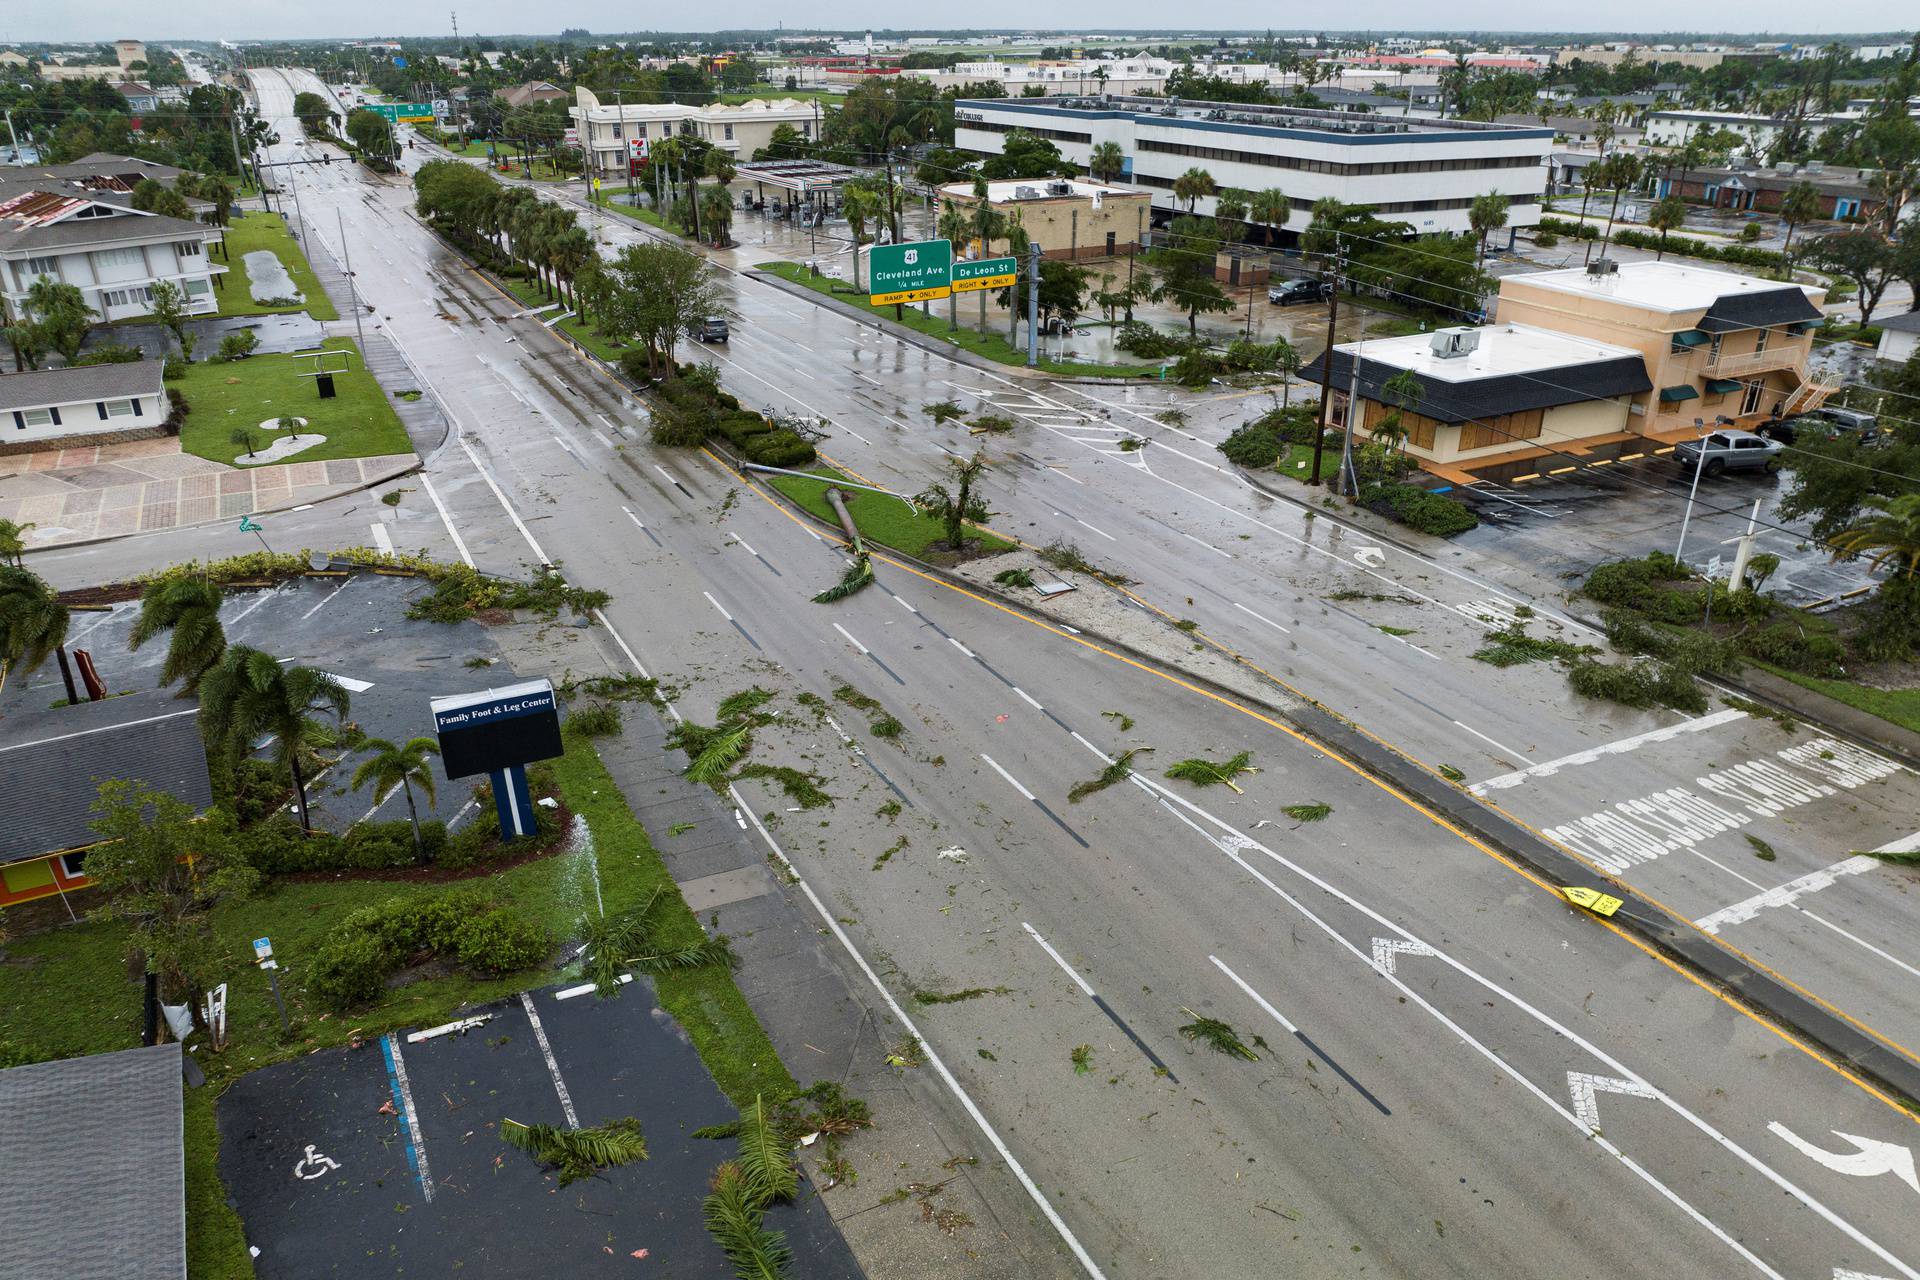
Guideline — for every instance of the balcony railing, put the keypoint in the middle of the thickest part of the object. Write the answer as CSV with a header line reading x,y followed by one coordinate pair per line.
x,y
1734,366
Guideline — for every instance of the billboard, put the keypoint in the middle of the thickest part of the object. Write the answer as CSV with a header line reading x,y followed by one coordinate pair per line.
x,y
497,728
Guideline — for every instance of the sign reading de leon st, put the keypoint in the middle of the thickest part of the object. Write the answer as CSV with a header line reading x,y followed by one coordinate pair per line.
x,y
987,273
914,272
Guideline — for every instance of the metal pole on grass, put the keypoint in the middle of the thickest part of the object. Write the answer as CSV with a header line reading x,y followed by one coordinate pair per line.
x,y
353,292
1699,465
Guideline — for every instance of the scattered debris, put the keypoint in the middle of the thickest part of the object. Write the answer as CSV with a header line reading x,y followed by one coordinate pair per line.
x,y
955,854
1120,718
1205,773
1082,1059
1119,771
1312,812
578,1153
1452,773
1761,849
907,1054
1220,1036
925,998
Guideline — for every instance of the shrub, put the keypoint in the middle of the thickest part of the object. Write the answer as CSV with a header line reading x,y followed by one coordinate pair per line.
x,y
1562,226
739,428
1892,627
1691,651
1197,368
1546,239
594,720
1433,513
352,963
1253,444
1789,644
1640,684
1149,343
779,448
1640,584
499,941
258,788
111,353
239,344
177,409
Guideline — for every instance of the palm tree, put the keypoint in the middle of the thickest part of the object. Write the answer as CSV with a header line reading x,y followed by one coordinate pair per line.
x,y
248,693
1271,209
1798,207
988,224
1192,185
1614,173
1487,213
860,203
1667,213
13,542
189,608
1106,161
1231,205
402,766
33,625
1893,535
953,227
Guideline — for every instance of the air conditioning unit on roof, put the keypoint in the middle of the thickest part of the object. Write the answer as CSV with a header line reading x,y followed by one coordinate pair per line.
x,y
1453,344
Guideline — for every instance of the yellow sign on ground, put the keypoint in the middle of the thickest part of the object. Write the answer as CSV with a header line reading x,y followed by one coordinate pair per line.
x,y
909,295
1601,904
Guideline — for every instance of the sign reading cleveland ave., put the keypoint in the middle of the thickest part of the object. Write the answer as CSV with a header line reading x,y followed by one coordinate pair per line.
x,y
914,272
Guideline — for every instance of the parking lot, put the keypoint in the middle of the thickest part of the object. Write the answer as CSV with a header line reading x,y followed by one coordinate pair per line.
x,y
387,1159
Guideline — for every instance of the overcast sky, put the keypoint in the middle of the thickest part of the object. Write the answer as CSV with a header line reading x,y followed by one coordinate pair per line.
x,y
75,20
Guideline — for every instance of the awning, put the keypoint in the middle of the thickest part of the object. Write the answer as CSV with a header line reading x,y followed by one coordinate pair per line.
x,y
1718,386
1805,326
1674,395
1690,338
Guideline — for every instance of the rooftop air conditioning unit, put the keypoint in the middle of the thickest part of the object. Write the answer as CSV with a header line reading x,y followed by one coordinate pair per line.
x,y
1603,266
1059,188
1026,193
1452,344
1816,166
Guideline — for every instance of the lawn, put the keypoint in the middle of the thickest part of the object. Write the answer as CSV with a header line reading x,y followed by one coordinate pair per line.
x,y
357,423
573,326
67,990
991,345
635,212
880,519
1896,706
252,231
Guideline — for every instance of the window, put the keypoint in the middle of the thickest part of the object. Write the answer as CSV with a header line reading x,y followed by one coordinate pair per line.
x,y
729,134
1760,343
34,268
38,418
187,248
1749,444
1713,349
118,409
640,132
196,288
616,130
73,865
119,259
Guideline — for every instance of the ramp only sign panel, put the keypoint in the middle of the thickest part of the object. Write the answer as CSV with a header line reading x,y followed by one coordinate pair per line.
x,y
915,272
498,728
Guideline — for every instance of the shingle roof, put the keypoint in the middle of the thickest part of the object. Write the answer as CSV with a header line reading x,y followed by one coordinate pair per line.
x,y
1483,398
1756,310
88,231
43,387
1908,323
93,1181
58,759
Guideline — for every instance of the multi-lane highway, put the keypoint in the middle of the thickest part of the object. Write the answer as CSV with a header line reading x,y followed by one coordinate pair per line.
x,y
1457,1074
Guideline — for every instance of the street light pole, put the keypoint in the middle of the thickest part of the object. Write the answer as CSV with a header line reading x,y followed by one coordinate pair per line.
x,y
353,291
1699,465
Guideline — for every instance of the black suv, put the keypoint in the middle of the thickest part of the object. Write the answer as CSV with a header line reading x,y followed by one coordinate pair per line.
x,y
1302,290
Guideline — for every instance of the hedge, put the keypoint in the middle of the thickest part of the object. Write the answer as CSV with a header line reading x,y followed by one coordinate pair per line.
x,y
1417,508
353,961
1744,255
779,448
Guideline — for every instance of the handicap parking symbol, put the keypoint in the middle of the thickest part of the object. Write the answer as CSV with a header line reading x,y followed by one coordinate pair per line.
x,y
314,1165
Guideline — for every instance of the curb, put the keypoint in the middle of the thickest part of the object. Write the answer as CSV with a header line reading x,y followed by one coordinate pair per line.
x,y
1753,988
914,337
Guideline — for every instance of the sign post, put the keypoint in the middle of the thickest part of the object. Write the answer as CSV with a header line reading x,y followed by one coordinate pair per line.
x,y
915,272
263,956
499,732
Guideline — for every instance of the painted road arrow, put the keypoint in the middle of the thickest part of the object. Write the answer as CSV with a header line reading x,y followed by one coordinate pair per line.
x,y
1583,1086
1385,949
1872,1158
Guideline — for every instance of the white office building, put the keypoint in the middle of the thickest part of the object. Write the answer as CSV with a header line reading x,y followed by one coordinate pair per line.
x,y
1425,173
618,135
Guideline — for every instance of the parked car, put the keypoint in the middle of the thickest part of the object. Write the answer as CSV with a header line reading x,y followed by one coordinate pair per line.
x,y
1729,451
1301,290
711,329
1825,424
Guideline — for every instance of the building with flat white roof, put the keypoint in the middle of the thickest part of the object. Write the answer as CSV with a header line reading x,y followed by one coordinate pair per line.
x,y
619,135
1425,173
1716,344
1066,217
1491,391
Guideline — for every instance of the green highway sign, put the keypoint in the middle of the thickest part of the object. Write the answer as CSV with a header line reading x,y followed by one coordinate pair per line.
x,y
987,273
913,272
395,112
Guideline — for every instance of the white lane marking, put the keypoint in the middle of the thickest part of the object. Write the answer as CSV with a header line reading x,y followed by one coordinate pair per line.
x,y
415,1138
1547,768
449,1028
902,602
1582,1085
501,497
1253,995
789,395
1872,1158
1208,545
962,648
93,626
459,545
1786,894
1012,781
1047,947
665,475
850,640
1369,557
1905,844
637,664
1028,698
1235,842
864,378
553,1067
1269,621
327,599
743,542
1385,949
381,541
934,1060
722,608
1504,750
471,806
1084,525
636,519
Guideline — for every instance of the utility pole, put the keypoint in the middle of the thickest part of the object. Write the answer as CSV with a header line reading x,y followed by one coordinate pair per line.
x,y
1349,484
1033,306
353,291
1326,367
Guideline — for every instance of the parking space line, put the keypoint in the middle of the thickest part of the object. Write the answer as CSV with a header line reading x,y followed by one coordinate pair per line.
x,y
328,598
409,1118
553,1067
459,544
381,540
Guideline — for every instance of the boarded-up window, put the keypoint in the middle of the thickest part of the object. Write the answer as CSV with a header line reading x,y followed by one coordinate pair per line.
x,y
1507,429
1420,429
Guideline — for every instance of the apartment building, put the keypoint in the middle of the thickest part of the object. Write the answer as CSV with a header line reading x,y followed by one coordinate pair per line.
x,y
619,135
114,253
1425,173
1066,218
1714,344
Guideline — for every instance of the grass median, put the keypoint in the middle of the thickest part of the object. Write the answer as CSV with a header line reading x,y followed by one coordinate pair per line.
x,y
573,326
881,520
358,422
991,345
251,232
1896,706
